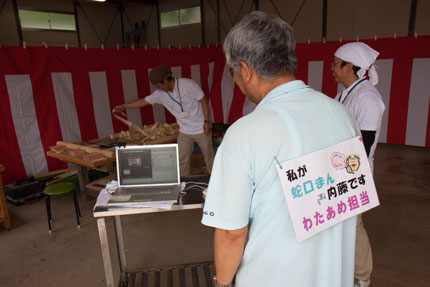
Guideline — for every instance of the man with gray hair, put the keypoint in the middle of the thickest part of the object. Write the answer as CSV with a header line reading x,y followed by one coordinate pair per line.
x,y
254,240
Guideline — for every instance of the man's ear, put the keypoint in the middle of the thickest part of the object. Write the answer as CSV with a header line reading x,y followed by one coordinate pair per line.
x,y
349,67
248,72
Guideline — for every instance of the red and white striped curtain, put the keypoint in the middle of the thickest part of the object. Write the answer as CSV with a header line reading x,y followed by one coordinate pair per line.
x,y
51,94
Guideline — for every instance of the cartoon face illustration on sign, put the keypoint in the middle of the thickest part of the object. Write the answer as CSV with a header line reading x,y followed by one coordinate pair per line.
x,y
352,163
338,160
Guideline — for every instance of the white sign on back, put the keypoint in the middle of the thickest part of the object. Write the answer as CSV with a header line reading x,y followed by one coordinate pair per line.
x,y
328,186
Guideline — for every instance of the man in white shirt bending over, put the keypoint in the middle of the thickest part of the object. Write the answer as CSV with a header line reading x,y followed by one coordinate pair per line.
x,y
185,100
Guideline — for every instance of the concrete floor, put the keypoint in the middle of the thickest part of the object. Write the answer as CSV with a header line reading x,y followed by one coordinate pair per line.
x,y
398,229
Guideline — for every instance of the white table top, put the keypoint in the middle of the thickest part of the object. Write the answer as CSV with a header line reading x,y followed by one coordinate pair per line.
x,y
114,211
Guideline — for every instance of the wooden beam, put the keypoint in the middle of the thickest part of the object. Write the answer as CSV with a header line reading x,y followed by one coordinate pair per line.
x,y
121,10
159,24
412,17
98,184
57,148
94,156
79,161
108,153
18,22
218,20
202,21
63,176
76,152
55,172
78,33
324,21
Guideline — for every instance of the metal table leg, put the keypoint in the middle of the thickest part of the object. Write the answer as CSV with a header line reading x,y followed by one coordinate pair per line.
x,y
121,251
107,263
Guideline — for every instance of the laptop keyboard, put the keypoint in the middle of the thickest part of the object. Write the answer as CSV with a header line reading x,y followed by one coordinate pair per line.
x,y
146,190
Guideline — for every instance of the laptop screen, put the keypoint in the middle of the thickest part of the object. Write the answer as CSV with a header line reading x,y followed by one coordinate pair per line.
x,y
147,165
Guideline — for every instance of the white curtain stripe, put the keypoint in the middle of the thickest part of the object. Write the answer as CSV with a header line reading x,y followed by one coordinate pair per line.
x,y
419,99
66,108
385,68
25,122
129,86
315,75
227,92
157,109
102,111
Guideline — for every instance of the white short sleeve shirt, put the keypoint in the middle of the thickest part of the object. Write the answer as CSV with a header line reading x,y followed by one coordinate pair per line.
x,y
365,104
185,97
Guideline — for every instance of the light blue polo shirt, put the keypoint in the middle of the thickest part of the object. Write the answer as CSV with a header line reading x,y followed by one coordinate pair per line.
x,y
292,120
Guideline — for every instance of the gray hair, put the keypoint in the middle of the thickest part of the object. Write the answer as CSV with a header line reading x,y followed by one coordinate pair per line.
x,y
266,43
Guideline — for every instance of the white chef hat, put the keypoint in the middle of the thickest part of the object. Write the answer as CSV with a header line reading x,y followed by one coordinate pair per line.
x,y
360,55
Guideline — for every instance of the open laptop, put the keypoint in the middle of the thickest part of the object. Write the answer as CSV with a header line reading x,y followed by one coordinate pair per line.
x,y
146,173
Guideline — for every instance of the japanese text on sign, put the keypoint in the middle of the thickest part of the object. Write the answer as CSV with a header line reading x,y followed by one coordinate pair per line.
x,y
328,186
